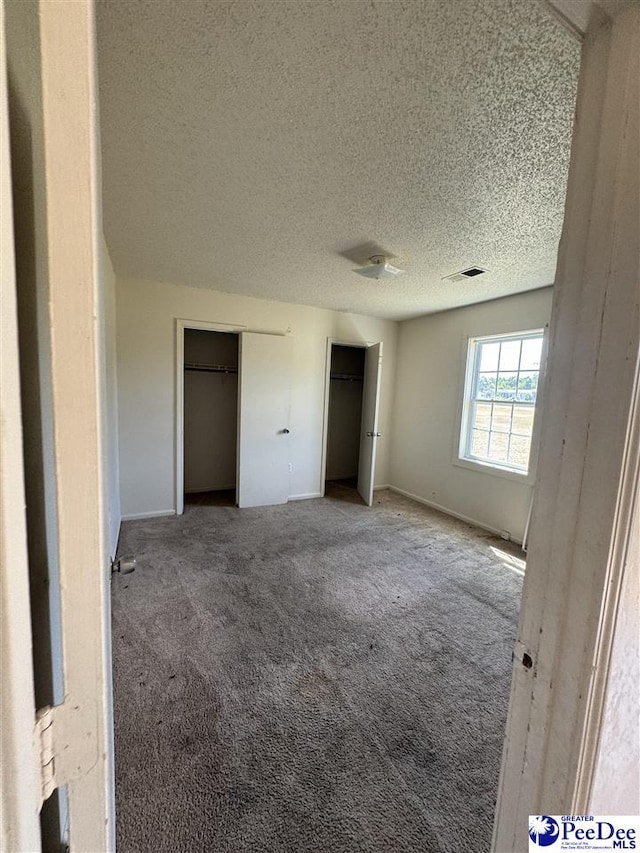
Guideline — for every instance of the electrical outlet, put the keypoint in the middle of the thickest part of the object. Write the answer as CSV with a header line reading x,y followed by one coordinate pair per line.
x,y
290,467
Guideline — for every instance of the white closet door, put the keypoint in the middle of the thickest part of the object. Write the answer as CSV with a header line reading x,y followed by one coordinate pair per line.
x,y
369,424
263,419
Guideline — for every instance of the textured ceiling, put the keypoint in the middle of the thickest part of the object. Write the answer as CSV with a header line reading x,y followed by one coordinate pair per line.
x,y
252,146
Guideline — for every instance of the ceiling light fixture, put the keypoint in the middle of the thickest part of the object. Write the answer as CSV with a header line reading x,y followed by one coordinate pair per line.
x,y
379,268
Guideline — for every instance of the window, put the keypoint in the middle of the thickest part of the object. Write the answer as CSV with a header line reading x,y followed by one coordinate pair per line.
x,y
500,398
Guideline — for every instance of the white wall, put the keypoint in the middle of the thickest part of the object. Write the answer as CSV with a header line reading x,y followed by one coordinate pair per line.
x,y
146,313
425,428
109,398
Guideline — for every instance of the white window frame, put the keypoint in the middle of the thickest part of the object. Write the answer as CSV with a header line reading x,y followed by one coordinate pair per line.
x,y
461,457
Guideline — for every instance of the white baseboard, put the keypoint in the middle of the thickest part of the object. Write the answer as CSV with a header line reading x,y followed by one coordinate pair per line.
x,y
472,521
380,488
158,513
305,497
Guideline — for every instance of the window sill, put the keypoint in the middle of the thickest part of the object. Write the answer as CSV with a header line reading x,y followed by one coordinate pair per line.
x,y
494,471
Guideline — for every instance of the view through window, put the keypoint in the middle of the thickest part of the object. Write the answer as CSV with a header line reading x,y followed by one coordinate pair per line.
x,y
500,399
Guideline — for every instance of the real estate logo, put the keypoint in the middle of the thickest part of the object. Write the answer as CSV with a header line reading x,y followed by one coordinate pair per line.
x,y
583,832
543,830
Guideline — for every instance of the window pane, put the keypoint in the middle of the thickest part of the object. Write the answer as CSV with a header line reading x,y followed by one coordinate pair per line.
x,y
479,443
531,354
486,388
501,419
523,419
498,447
519,451
507,386
510,355
527,387
489,354
482,419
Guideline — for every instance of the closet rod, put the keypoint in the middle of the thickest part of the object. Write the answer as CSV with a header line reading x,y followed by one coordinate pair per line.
x,y
212,368
347,377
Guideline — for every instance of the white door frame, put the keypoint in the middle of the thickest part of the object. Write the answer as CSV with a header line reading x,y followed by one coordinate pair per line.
x,y
587,474
181,325
325,408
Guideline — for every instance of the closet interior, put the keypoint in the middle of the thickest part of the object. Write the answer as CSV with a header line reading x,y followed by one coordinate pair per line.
x,y
345,414
210,415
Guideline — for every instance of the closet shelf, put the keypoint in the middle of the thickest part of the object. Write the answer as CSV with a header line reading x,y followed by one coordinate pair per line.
x,y
211,368
347,377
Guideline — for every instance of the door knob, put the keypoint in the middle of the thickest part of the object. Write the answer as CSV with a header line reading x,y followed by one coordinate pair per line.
x,y
286,431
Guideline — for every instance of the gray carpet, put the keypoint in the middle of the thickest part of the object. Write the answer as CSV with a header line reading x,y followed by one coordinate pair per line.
x,y
313,677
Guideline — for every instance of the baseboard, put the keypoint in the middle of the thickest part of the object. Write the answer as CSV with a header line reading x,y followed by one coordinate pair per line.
x,y
211,489
380,488
158,513
472,521
305,497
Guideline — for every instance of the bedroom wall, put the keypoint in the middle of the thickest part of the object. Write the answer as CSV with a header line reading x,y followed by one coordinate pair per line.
x,y
425,429
146,314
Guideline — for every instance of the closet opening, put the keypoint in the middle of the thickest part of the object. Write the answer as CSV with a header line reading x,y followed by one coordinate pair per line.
x,y
346,386
210,417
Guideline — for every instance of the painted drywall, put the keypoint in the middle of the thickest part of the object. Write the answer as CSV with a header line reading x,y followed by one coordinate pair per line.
x,y
210,412
345,412
20,772
146,314
109,398
616,782
427,408
32,290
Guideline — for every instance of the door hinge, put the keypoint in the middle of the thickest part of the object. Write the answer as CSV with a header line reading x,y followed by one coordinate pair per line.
x,y
66,740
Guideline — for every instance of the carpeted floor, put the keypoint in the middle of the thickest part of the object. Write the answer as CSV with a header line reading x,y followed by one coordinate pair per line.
x,y
319,676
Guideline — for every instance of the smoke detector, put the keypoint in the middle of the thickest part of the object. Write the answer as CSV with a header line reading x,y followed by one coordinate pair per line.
x,y
379,268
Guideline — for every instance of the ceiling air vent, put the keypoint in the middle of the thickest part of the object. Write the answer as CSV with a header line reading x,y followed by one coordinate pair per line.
x,y
464,274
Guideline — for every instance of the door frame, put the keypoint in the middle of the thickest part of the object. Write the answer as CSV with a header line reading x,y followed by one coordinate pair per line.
x,y
181,325
325,408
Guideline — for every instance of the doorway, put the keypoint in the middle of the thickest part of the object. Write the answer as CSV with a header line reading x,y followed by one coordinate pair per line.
x,y
351,420
210,417
346,385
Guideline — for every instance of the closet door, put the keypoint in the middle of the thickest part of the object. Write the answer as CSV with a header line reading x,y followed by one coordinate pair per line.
x,y
369,424
263,419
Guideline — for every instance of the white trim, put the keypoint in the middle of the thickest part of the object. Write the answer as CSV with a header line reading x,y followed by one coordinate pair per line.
x,y
582,511
494,470
181,325
305,497
462,437
73,236
325,407
381,488
447,511
626,510
159,513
